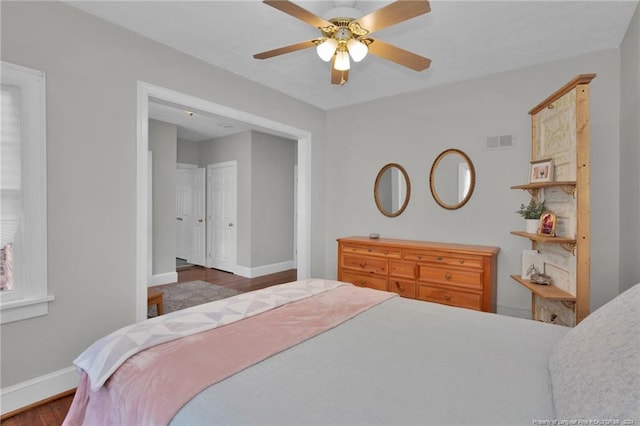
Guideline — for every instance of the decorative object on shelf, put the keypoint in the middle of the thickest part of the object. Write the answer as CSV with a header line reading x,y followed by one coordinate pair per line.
x,y
547,224
531,213
374,236
541,171
532,263
541,279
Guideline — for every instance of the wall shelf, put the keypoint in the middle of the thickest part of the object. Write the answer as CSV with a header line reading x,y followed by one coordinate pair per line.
x,y
549,292
569,244
567,186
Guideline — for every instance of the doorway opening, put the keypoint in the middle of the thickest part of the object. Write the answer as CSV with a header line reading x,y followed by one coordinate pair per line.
x,y
146,92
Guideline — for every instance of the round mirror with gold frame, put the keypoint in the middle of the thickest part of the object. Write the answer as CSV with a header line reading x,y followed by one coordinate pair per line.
x,y
392,190
452,179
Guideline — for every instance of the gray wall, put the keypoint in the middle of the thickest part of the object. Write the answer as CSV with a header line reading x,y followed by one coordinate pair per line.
x,y
265,193
188,152
92,69
162,143
630,155
272,159
413,129
235,147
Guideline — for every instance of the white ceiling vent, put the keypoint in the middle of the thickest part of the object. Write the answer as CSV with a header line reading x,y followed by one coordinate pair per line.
x,y
500,142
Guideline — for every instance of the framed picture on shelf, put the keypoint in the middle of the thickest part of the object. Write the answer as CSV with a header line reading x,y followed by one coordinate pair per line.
x,y
541,171
547,224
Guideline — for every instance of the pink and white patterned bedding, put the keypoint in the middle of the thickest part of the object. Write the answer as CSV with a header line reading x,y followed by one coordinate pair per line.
x,y
156,380
102,358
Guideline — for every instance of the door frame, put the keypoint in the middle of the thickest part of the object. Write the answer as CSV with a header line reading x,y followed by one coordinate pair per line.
x,y
145,91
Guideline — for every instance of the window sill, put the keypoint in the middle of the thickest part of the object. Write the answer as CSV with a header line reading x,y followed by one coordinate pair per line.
x,y
24,308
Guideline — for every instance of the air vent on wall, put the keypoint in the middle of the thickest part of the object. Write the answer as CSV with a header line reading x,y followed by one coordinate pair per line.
x,y
500,142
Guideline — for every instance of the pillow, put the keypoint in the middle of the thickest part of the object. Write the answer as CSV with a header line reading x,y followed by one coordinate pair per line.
x,y
595,367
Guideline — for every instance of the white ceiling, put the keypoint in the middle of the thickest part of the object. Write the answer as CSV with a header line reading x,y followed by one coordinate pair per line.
x,y
194,125
464,40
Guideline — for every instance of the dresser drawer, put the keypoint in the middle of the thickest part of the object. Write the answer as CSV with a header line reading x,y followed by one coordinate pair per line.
x,y
403,288
372,250
462,299
403,269
361,280
453,260
459,277
365,264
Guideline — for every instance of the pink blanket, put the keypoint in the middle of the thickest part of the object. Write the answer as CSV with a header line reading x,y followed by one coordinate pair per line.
x,y
153,385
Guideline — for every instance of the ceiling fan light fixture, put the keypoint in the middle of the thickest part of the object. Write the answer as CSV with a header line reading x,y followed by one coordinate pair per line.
x,y
326,49
342,61
357,49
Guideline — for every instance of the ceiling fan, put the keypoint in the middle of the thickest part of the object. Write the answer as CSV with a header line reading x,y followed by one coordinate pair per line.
x,y
345,36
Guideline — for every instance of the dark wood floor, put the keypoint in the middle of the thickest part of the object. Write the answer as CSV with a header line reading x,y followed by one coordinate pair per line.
x,y
53,412
229,280
50,413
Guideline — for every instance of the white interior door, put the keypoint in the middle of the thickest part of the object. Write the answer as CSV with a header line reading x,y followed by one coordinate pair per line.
x,y
221,215
183,197
197,229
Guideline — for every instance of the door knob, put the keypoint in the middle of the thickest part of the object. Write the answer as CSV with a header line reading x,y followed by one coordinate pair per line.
x,y
231,224
200,220
178,218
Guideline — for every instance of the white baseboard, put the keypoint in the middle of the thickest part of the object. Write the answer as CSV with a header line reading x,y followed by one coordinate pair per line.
x,y
514,312
38,389
259,271
166,278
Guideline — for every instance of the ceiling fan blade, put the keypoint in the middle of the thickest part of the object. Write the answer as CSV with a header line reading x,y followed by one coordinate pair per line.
x,y
286,49
338,77
298,12
398,55
394,13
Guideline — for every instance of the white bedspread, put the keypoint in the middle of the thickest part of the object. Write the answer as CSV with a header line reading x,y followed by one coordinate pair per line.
x,y
401,362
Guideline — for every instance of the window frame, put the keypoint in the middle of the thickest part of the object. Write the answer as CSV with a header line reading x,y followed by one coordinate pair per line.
x,y
30,297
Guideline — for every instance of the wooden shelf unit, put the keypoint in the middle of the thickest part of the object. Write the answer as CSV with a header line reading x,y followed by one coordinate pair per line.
x,y
566,110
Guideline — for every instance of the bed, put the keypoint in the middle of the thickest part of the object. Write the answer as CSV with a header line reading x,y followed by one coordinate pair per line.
x,y
327,352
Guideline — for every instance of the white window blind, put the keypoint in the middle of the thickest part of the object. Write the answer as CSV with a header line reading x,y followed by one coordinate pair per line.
x,y
10,181
23,213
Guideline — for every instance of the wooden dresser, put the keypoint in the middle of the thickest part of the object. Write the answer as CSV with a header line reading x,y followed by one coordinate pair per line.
x,y
452,274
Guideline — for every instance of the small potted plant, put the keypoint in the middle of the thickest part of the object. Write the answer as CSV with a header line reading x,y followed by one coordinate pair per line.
x,y
531,213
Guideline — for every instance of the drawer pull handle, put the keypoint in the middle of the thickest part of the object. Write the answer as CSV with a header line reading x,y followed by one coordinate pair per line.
x,y
419,256
461,261
363,264
447,297
439,257
369,250
386,252
399,286
447,276
362,282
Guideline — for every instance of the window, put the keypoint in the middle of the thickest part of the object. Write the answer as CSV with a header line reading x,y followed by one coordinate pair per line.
x,y
23,207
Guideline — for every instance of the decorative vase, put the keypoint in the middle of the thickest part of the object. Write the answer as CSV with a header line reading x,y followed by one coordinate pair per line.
x,y
531,226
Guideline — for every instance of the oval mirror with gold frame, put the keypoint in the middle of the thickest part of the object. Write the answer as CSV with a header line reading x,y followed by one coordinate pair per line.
x,y
452,179
392,190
